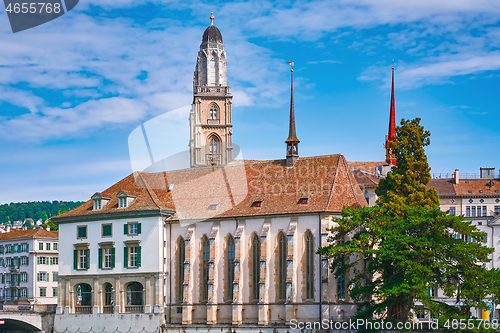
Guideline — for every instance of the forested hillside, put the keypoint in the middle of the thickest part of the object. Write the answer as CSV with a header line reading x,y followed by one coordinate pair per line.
x,y
35,210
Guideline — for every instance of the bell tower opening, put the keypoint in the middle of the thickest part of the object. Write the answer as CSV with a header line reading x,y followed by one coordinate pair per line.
x,y
210,117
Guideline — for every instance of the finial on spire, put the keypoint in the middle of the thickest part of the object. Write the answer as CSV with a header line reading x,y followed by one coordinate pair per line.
x,y
292,143
212,18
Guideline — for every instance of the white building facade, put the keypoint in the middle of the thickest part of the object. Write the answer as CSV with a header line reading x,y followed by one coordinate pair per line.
x,y
29,263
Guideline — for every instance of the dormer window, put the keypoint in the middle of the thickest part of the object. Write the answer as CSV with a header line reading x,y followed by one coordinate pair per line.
x,y
304,201
97,204
99,201
257,204
212,207
125,199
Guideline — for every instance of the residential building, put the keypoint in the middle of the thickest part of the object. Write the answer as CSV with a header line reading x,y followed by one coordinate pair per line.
x,y
29,266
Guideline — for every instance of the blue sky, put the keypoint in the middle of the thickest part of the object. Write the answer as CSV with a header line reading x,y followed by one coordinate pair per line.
x,y
72,90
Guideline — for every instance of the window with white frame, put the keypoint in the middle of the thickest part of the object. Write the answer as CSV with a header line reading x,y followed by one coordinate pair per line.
x,y
132,256
97,204
42,276
56,246
41,260
82,256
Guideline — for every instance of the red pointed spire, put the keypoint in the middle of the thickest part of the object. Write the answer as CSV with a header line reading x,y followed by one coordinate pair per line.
x,y
292,143
390,158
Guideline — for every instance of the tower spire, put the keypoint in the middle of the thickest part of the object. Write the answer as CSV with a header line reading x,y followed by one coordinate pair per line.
x,y
390,158
212,18
292,143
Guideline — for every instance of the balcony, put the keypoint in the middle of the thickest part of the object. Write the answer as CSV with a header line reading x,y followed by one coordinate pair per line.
x,y
134,308
14,268
108,309
213,159
83,309
205,89
213,121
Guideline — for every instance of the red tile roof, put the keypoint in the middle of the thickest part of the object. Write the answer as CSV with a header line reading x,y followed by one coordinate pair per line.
x,y
326,180
367,166
466,187
34,233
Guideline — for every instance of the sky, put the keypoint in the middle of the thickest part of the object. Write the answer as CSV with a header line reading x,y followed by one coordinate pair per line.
x,y
72,91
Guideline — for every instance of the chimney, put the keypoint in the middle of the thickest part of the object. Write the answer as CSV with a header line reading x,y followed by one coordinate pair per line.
x,y
8,229
455,177
25,228
47,228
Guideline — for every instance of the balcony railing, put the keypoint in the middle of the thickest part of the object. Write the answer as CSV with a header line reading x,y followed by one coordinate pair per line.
x,y
83,309
108,309
134,308
213,159
205,89
213,121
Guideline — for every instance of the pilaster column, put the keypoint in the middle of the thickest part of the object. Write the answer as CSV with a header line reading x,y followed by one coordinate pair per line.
x,y
117,296
212,277
148,295
291,281
238,283
96,295
264,274
324,300
187,304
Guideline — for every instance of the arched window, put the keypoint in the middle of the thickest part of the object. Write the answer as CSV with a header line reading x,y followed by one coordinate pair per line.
x,y
213,114
206,259
282,254
309,265
230,267
108,298
135,297
214,156
255,266
181,257
214,146
83,298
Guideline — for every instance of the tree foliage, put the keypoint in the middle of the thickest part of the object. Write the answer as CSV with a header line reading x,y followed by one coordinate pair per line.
x,y
405,245
34,210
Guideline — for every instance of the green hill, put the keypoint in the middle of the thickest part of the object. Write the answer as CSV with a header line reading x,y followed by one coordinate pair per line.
x,y
36,210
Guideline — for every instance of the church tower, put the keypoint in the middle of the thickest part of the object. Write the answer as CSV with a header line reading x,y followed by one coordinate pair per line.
x,y
210,117
390,158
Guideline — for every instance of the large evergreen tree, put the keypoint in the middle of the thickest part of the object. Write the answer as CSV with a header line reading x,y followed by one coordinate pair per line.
x,y
405,245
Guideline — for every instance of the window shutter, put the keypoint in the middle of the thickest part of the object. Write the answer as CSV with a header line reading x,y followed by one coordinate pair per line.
x,y
100,257
138,256
125,257
125,229
47,277
112,257
26,277
75,259
38,260
38,276
87,255
51,261
27,261
27,247
138,228
19,261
